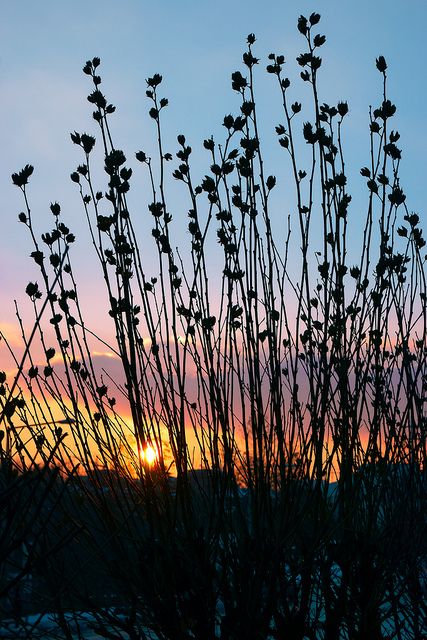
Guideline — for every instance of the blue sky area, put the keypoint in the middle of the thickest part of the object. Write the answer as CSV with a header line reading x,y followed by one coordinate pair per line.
x,y
195,45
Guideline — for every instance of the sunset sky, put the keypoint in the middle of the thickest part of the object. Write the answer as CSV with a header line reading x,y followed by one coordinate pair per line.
x,y
223,402
195,45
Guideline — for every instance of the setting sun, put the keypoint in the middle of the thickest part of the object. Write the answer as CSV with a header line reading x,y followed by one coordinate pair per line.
x,y
149,455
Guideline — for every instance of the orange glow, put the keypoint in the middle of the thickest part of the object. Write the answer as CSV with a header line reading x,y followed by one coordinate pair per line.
x,y
149,455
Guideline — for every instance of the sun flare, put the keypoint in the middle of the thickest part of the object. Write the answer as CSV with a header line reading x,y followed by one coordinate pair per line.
x,y
149,455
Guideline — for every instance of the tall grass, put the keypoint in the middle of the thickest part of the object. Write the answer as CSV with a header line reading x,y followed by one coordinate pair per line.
x,y
301,398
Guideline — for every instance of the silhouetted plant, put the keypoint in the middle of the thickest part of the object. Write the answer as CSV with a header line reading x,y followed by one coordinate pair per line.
x,y
288,413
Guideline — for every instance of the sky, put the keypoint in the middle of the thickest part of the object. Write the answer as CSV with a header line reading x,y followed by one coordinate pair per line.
x,y
195,45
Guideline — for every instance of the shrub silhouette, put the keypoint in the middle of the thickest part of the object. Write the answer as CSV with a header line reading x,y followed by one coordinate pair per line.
x,y
287,412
